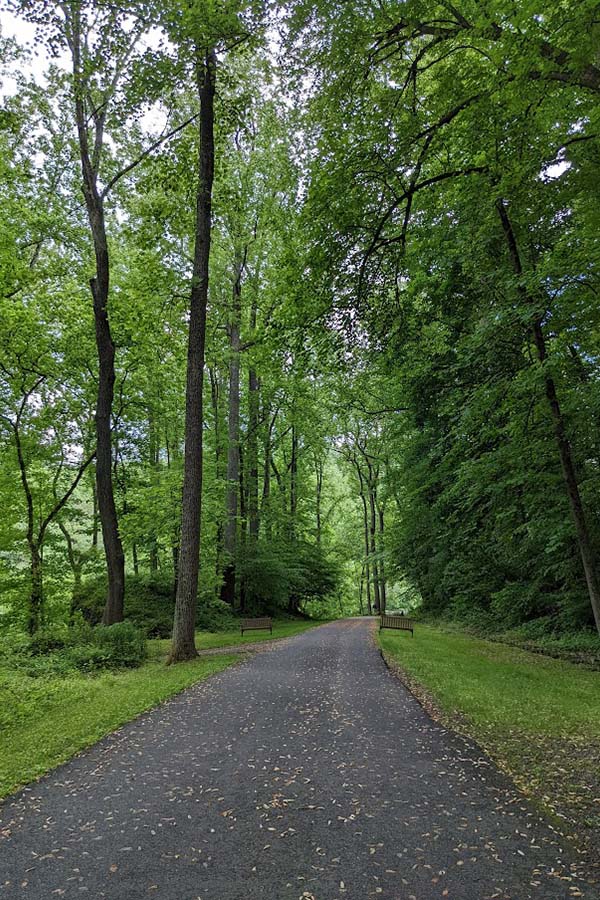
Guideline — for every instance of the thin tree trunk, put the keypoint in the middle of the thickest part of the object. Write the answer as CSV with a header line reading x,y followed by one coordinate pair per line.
x,y
100,287
214,398
319,476
253,411
383,587
183,643
366,532
266,490
233,444
154,455
586,549
373,548
294,481
361,586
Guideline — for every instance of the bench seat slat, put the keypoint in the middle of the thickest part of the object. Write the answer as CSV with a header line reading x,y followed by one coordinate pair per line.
x,y
399,623
263,623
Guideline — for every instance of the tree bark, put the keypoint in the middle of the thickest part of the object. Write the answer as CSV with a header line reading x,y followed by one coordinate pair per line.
x,y
383,587
233,444
319,477
294,482
214,399
100,287
586,549
183,644
253,416
373,548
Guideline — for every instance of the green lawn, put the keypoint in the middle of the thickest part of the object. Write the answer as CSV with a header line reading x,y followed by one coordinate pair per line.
x,y
206,640
538,717
46,720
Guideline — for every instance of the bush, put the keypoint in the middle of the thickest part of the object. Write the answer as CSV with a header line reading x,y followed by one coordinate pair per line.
x,y
149,602
123,645
214,615
61,651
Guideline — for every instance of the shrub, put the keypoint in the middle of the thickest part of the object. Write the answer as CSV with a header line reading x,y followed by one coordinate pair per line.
x,y
123,645
149,602
214,615
49,639
60,651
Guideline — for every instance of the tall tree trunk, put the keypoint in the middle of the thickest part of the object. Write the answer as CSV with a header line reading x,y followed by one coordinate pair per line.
x,y
383,587
100,287
319,477
266,489
154,457
183,644
253,414
233,444
586,549
373,548
361,586
214,399
294,481
366,533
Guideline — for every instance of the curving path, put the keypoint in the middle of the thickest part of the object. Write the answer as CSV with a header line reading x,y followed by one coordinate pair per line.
x,y
304,773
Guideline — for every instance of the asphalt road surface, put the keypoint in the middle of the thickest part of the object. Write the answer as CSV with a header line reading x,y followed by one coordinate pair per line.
x,y
304,773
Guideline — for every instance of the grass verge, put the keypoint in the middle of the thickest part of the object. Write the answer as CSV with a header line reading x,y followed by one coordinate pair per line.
x,y
539,718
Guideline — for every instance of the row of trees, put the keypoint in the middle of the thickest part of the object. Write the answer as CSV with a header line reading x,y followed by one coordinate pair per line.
x,y
177,264
319,278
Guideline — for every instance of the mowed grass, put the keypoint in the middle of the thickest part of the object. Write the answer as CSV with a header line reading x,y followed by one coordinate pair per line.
x,y
207,640
500,686
46,720
539,718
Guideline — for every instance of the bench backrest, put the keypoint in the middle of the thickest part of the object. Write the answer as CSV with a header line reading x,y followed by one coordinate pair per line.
x,y
401,622
264,622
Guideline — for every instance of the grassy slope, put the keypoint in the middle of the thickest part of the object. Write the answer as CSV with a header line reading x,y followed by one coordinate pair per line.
x,y
539,717
45,721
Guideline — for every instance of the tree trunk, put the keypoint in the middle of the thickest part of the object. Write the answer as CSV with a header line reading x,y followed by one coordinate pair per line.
x,y
214,399
154,457
373,549
294,482
319,476
366,532
266,489
383,586
233,444
253,411
100,286
36,596
183,643
586,549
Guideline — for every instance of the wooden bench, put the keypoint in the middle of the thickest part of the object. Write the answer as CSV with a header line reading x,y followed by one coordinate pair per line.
x,y
263,624
401,623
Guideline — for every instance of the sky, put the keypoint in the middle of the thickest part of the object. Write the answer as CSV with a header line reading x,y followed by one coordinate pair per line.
x,y
24,33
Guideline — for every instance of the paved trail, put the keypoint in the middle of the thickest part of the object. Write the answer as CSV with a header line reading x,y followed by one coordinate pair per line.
x,y
306,772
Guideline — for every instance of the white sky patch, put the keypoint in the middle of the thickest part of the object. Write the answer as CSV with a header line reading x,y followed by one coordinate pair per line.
x,y
26,36
555,170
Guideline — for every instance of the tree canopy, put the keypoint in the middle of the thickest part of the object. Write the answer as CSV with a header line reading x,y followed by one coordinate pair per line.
x,y
299,311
